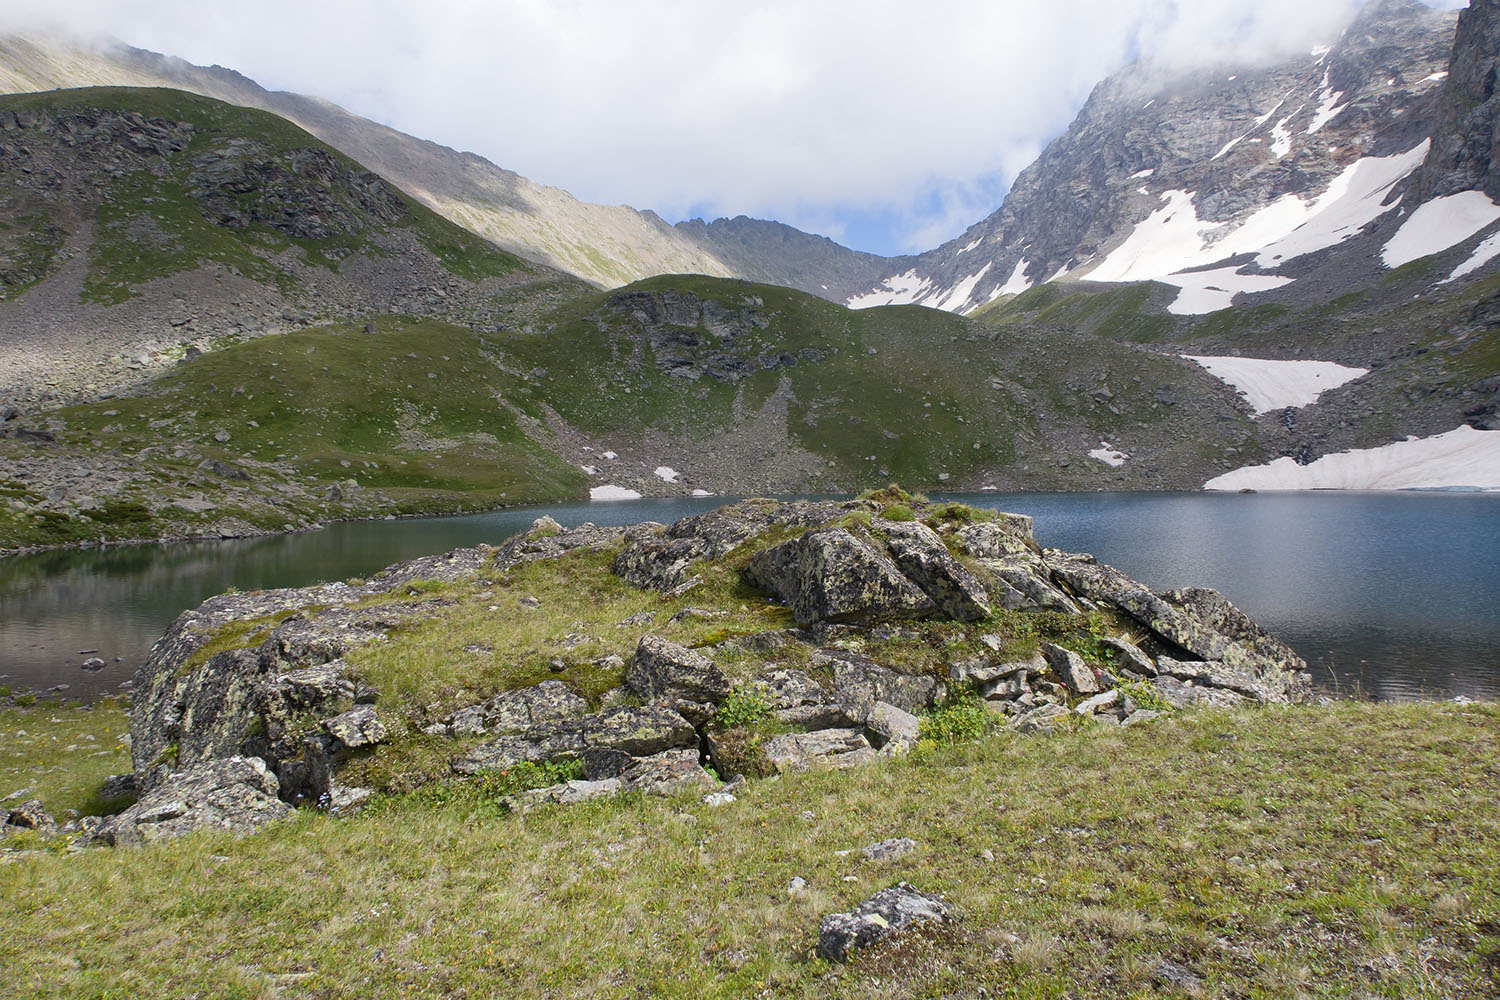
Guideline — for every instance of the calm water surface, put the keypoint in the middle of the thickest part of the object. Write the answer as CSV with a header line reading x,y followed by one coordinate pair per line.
x,y
1396,594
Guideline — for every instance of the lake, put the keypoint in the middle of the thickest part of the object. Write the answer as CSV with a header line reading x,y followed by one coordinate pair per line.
x,y
1393,595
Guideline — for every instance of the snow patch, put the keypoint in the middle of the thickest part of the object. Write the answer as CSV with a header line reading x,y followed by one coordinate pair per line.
x,y
1482,255
1319,51
1327,111
955,299
1461,457
702,493
1439,224
610,455
1109,455
1209,291
591,470
971,246
1015,284
899,290
1281,139
1274,385
1142,174
613,493
665,473
1434,78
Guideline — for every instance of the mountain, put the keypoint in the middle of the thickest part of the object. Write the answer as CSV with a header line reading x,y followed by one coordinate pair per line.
x,y
1161,173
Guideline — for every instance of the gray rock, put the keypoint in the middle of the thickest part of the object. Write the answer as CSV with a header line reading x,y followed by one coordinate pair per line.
x,y
1139,716
315,688
668,773
92,664
891,723
858,683
830,575
1130,656
889,911
30,815
922,558
358,727
1181,694
796,699
1071,668
636,732
1217,675
1099,702
667,673
233,793
830,747
518,710
1042,719
567,793
890,850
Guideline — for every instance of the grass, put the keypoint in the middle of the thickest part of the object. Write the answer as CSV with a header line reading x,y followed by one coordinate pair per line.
x,y
1345,851
61,754
151,226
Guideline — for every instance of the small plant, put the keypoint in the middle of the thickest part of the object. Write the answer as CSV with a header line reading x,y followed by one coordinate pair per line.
x,y
898,512
956,513
962,719
1145,696
743,707
26,700
894,494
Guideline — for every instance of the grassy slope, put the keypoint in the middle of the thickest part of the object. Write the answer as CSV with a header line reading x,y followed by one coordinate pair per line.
x,y
415,408
1339,851
909,371
125,255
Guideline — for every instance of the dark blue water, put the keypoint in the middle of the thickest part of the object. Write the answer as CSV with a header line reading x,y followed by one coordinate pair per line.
x,y
1393,595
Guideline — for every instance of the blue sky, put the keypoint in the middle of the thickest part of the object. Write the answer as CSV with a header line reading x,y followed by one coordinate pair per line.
x,y
886,126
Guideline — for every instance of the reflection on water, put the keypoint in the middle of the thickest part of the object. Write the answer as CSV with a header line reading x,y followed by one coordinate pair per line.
x,y
1393,594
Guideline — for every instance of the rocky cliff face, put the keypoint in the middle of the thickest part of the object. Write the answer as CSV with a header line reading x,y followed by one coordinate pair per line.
x,y
1226,143
1468,118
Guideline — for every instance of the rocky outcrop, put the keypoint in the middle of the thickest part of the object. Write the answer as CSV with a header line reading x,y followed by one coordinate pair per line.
x,y
233,793
883,915
287,707
606,742
1462,156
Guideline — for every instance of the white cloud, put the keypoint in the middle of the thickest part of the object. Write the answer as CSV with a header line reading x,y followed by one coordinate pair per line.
x,y
780,108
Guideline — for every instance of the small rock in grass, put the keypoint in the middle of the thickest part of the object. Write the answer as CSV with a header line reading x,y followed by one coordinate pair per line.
x,y
30,815
888,912
889,850
718,799
796,885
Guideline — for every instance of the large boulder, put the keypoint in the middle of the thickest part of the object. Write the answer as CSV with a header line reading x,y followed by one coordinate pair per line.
x,y
796,699
683,679
831,575
923,558
235,793
628,731
828,747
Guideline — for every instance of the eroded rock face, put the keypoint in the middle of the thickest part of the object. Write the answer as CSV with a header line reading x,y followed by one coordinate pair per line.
x,y
630,731
888,912
233,793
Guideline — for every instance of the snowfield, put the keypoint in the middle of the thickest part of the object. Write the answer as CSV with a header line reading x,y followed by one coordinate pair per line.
x,y
1274,385
1461,457
1439,224
1109,455
613,493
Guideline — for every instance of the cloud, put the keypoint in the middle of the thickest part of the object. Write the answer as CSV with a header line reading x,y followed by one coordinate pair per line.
x,y
838,110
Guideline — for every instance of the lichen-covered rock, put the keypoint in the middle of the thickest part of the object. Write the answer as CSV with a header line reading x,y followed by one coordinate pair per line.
x,y
315,688
234,793
922,558
1280,673
1071,668
829,747
515,711
1180,693
796,699
636,732
30,815
888,912
830,575
668,773
858,683
1129,656
891,723
358,727
683,679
